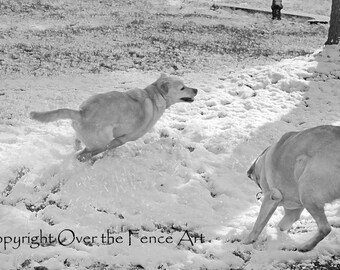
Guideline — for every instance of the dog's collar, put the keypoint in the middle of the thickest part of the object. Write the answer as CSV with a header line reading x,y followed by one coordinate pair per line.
x,y
259,195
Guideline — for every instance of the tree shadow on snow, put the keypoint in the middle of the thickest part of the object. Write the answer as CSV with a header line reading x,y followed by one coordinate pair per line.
x,y
319,105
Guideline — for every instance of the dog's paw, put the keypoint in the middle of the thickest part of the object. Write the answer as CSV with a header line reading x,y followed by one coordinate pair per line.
x,y
249,240
84,156
289,248
32,115
89,156
305,248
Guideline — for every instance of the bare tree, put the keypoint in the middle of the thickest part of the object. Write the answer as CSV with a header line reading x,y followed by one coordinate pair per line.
x,y
334,24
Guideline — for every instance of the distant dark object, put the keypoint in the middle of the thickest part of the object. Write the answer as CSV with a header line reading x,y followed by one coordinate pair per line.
x,y
214,7
317,22
276,9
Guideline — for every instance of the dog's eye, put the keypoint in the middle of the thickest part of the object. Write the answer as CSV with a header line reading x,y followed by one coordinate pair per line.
x,y
182,88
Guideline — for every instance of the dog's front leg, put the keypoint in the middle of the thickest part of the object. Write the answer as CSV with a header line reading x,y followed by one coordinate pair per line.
x,y
129,137
270,202
118,142
85,155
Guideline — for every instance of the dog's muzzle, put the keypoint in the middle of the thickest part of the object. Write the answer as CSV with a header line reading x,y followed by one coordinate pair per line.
x,y
190,99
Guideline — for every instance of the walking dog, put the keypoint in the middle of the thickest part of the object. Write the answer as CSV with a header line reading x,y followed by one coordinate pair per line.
x,y
301,170
106,121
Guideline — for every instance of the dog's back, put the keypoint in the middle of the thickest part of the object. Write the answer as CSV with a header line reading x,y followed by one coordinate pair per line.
x,y
309,143
320,179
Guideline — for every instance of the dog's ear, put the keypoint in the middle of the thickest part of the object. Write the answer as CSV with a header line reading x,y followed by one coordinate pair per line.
x,y
164,87
251,170
163,84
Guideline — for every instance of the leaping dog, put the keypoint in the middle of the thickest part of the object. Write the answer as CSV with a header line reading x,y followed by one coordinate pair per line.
x,y
106,121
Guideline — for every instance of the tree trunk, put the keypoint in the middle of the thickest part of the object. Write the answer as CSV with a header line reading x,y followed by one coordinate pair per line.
x,y
334,24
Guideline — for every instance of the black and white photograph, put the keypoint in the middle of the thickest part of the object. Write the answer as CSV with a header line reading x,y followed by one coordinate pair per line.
x,y
169,135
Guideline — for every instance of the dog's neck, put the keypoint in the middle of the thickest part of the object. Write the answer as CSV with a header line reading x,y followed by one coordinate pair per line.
x,y
153,91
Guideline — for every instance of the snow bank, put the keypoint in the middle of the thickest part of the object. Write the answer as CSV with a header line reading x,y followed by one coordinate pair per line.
x,y
184,180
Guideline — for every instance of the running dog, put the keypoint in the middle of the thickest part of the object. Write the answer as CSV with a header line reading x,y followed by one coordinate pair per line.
x,y
301,170
106,121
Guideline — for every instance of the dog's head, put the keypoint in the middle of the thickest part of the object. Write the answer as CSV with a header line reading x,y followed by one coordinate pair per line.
x,y
255,169
173,90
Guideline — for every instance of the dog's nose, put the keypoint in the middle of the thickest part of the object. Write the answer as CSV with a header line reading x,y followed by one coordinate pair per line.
x,y
195,91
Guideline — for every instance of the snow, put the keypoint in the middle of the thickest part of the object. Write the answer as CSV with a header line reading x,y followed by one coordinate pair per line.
x,y
187,175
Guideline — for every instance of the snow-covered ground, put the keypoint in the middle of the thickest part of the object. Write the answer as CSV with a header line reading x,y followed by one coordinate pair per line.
x,y
185,177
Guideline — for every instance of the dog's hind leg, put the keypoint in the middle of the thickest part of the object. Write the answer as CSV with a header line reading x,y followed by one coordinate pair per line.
x,y
313,196
291,215
318,213
270,203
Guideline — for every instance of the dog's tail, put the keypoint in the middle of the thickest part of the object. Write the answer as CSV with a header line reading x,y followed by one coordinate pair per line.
x,y
51,116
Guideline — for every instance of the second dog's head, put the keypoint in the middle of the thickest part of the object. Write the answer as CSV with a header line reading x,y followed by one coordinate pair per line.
x,y
173,90
254,171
